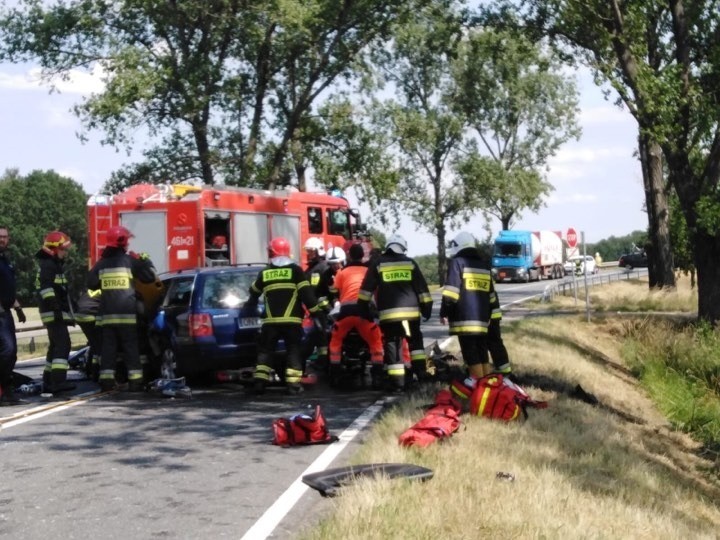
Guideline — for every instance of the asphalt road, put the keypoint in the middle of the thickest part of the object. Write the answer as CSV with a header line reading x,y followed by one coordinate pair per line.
x,y
142,466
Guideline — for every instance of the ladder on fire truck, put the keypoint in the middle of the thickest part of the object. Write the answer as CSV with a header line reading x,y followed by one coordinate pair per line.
x,y
102,219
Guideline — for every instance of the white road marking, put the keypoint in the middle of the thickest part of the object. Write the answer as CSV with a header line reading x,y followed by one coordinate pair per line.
x,y
264,526
47,409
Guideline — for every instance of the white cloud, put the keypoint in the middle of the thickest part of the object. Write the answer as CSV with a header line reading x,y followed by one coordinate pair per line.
x,y
605,115
589,154
77,82
572,198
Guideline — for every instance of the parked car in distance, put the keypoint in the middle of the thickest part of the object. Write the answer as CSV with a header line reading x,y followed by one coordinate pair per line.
x,y
575,264
202,306
637,259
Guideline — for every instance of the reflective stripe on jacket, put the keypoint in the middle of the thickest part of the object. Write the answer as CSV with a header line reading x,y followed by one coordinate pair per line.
x,y
402,292
469,300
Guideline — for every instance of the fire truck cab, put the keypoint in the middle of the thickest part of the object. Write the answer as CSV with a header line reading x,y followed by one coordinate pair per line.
x,y
183,226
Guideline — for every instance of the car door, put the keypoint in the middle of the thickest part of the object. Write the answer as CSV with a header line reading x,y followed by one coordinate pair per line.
x,y
176,305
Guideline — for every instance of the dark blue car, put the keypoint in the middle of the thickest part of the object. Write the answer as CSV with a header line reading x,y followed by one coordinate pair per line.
x,y
202,309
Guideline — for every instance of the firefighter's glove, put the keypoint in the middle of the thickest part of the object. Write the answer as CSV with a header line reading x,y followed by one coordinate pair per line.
x,y
71,322
20,315
420,370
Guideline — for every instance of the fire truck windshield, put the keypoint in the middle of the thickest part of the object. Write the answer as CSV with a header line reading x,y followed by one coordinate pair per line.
x,y
339,223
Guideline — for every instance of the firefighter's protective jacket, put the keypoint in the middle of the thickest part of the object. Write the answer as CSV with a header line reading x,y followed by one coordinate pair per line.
x,y
115,274
52,287
402,292
469,300
320,278
88,306
286,289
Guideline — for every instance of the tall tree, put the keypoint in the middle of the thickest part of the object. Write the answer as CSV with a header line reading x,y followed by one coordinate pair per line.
x,y
33,205
425,130
631,46
221,86
522,109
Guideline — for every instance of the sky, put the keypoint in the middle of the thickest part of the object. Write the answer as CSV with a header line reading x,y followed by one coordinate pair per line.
x,y
598,183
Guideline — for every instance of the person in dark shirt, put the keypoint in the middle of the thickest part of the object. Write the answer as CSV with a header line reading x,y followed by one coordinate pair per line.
x,y
8,341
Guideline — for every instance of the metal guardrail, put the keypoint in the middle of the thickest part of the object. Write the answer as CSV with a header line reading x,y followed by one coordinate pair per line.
x,y
568,285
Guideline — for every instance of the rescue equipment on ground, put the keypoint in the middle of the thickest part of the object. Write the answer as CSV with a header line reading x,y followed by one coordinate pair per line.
x,y
172,387
329,481
302,429
439,423
496,396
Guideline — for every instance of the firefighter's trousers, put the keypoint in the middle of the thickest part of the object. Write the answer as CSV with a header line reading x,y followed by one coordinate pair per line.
x,y
497,349
270,334
368,330
474,348
116,338
393,334
56,360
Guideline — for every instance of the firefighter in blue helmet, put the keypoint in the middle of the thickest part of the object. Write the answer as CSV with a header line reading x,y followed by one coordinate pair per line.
x,y
402,299
285,288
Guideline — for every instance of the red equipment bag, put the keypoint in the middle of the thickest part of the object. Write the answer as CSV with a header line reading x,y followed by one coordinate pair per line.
x,y
440,422
495,396
302,429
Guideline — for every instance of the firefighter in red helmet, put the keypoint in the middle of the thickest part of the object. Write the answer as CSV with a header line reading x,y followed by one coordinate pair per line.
x,y
114,274
285,289
55,310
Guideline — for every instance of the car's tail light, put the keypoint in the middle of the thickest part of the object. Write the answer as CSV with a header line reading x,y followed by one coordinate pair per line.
x,y
200,325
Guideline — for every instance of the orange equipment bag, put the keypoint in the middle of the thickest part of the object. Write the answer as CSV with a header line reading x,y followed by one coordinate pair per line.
x,y
302,429
495,396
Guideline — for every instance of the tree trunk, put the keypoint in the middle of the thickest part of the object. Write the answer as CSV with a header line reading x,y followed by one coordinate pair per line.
x,y
660,258
203,148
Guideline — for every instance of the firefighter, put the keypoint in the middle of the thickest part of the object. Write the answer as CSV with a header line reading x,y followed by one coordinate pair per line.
x,y
469,302
317,275
402,298
114,274
86,317
285,289
346,286
55,310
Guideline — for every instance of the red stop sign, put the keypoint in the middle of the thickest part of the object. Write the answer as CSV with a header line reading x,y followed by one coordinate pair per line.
x,y
571,237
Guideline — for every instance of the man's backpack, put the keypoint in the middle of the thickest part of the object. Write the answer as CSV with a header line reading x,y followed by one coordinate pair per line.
x,y
302,429
495,396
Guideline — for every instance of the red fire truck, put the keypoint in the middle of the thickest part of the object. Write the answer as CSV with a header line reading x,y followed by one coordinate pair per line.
x,y
182,226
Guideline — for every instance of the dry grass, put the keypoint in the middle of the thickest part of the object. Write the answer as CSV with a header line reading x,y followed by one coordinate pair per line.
x,y
633,295
616,470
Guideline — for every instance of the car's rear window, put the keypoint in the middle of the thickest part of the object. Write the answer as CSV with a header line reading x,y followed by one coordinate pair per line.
x,y
179,292
227,290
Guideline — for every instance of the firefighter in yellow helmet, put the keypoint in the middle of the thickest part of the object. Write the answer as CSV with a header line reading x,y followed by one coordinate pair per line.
x,y
55,310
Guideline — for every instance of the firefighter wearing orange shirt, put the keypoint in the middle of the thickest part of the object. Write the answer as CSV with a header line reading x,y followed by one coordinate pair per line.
x,y
346,288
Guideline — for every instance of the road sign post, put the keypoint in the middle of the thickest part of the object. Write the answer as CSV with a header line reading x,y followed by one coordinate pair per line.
x,y
571,237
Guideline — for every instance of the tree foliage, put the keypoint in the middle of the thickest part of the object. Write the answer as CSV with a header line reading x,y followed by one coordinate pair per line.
x,y
33,205
662,60
521,109
222,87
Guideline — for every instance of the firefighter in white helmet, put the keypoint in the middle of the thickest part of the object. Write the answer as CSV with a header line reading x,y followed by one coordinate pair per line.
x,y
402,299
470,304
316,271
